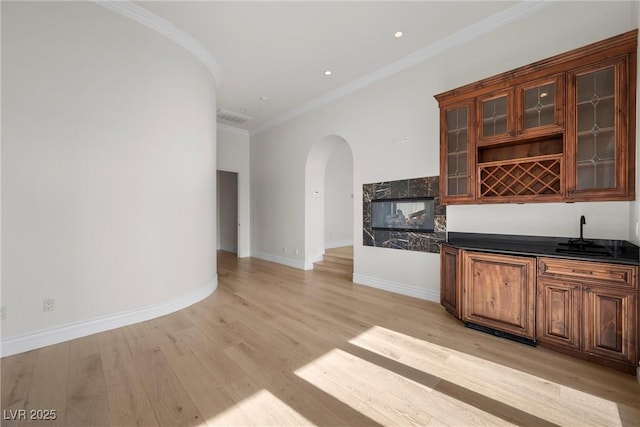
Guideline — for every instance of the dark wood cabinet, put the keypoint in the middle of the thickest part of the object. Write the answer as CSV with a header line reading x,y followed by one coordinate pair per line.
x,y
561,129
587,309
540,107
590,307
599,144
610,323
450,283
499,292
529,110
496,117
558,313
457,180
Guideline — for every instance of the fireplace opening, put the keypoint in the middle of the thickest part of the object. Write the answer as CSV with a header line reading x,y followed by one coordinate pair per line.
x,y
407,214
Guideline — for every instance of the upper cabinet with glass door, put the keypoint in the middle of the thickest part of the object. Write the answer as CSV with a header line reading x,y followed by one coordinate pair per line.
x,y
457,152
560,129
540,107
598,135
525,111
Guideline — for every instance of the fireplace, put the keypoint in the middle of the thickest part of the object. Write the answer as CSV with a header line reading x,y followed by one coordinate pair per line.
x,y
406,214
423,223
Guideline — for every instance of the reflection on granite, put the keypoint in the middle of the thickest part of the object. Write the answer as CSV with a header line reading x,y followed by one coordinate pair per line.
x,y
404,240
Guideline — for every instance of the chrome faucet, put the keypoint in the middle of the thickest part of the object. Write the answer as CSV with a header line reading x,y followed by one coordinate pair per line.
x,y
582,222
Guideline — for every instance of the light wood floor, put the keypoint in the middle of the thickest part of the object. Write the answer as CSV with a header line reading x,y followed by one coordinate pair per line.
x,y
279,346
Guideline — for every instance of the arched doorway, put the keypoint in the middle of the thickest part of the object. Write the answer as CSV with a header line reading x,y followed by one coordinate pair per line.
x,y
328,198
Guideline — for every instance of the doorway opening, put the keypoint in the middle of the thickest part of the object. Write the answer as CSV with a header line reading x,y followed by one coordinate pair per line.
x,y
329,218
227,211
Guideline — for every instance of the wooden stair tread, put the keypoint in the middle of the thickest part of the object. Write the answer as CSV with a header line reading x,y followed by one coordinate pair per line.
x,y
338,261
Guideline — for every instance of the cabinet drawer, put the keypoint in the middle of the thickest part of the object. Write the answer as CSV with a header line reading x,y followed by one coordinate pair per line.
x,y
618,274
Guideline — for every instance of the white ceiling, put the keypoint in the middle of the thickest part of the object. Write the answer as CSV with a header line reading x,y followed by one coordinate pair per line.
x,y
280,50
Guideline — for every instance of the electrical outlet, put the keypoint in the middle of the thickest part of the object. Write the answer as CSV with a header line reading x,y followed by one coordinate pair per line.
x,y
48,304
3,312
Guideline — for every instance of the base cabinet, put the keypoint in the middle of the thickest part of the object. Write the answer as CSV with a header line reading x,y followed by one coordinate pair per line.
x,y
588,307
450,289
610,323
499,292
558,313
583,308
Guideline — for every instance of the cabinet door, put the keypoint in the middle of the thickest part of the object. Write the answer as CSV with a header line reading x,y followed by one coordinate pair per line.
x,y
457,153
496,117
450,290
558,313
499,292
610,323
599,159
540,107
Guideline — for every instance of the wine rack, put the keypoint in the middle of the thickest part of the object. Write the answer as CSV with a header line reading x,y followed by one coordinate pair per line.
x,y
510,179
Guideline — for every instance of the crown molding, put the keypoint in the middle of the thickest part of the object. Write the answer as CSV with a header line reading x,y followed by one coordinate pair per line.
x,y
514,13
143,16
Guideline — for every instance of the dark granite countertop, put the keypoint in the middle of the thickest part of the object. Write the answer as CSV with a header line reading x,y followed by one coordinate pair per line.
x,y
614,251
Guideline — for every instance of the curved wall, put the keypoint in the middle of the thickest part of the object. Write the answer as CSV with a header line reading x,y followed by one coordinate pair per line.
x,y
108,172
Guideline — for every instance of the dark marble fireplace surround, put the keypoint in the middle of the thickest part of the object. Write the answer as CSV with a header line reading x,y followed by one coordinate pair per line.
x,y
405,240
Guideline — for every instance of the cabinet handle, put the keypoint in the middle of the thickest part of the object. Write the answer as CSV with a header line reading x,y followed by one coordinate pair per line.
x,y
581,271
512,133
576,287
587,289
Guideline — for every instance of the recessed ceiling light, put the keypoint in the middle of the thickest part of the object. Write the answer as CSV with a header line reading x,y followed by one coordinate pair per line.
x,y
328,73
264,98
398,34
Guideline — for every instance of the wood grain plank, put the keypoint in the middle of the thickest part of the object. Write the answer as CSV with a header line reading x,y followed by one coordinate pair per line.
x,y
16,372
129,402
87,398
205,389
172,405
48,388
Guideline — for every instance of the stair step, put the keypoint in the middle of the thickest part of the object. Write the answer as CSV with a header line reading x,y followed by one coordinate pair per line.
x,y
344,252
332,267
338,259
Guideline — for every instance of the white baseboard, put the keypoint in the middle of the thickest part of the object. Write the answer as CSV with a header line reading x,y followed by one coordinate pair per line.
x,y
398,288
308,265
232,249
44,337
338,244
295,263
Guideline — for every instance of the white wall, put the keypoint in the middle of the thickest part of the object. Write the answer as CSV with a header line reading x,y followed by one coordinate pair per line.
x,y
338,198
108,169
233,156
373,118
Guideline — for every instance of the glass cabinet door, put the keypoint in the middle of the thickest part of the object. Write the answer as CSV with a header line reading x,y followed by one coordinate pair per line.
x,y
496,117
596,137
540,107
457,147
